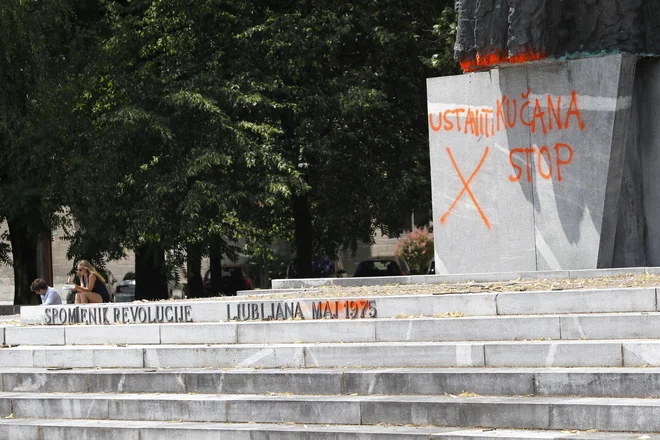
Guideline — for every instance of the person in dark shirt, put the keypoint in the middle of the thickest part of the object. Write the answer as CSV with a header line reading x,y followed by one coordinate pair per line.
x,y
92,287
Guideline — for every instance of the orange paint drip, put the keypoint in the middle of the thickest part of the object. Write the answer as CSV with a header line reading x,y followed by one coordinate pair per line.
x,y
483,61
469,66
527,56
490,59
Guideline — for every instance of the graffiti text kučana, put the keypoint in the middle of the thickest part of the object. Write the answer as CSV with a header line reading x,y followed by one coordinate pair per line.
x,y
509,113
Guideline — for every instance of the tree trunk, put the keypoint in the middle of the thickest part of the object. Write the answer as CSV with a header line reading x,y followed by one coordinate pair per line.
x,y
215,254
150,272
194,270
303,236
24,254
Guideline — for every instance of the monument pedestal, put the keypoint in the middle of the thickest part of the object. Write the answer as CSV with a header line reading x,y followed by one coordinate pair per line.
x,y
527,165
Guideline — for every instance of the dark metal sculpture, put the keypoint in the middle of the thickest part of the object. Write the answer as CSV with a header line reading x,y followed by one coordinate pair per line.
x,y
494,32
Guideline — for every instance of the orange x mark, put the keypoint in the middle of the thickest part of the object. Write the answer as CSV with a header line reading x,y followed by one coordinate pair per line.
x,y
466,188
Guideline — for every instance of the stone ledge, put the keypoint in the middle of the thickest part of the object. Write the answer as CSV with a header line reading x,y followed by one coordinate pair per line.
x,y
454,278
629,415
289,307
605,353
585,382
590,326
145,430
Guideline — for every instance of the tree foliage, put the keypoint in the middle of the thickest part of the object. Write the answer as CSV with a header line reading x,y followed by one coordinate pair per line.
x,y
174,159
416,247
346,81
34,39
173,127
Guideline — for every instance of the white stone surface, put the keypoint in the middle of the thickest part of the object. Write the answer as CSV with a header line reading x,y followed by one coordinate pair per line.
x,y
60,406
641,353
468,329
86,357
554,354
16,357
637,415
611,272
300,284
611,326
307,331
199,333
34,335
577,301
472,304
595,326
224,356
30,429
395,355
112,334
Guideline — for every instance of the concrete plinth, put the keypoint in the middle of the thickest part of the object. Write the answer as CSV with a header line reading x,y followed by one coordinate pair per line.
x,y
527,163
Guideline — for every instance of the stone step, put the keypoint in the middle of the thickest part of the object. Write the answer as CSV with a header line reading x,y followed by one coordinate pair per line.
x,y
606,353
603,414
585,382
45,429
312,283
338,307
645,325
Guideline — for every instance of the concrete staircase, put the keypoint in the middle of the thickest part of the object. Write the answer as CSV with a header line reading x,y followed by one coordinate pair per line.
x,y
559,364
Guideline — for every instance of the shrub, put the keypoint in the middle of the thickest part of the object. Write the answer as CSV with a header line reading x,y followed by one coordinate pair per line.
x,y
417,248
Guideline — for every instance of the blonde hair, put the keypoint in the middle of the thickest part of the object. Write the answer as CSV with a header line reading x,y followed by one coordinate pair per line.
x,y
87,265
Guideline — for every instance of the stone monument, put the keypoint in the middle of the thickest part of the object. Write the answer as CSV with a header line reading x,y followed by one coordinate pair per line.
x,y
543,155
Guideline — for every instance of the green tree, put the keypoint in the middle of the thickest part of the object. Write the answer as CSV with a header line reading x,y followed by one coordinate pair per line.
x,y
33,56
346,82
176,164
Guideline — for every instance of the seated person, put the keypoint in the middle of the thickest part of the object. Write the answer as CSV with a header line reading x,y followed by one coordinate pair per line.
x,y
49,295
92,288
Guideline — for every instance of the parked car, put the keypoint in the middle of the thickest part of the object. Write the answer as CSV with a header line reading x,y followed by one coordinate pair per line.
x,y
321,268
234,278
382,267
125,290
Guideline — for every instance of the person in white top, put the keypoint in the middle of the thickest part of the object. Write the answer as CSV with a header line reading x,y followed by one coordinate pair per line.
x,y
49,295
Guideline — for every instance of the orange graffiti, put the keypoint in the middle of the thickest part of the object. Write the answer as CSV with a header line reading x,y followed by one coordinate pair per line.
x,y
514,165
433,126
544,150
466,188
542,155
563,162
510,113
574,110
